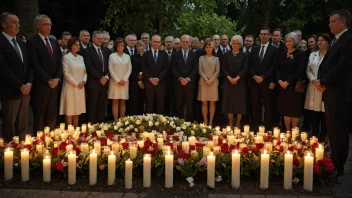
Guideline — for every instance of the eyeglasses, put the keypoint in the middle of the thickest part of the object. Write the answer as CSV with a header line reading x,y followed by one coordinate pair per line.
x,y
263,34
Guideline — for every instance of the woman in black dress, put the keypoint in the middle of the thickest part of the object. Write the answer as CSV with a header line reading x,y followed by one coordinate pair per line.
x,y
291,69
234,87
137,95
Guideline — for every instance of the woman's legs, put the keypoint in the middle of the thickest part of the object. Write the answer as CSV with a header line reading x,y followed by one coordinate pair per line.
x,y
122,108
68,120
288,122
238,120
205,112
75,120
230,117
115,109
212,112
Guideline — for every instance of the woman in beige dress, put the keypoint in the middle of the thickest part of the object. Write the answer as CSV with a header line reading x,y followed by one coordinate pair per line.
x,y
120,68
209,68
73,102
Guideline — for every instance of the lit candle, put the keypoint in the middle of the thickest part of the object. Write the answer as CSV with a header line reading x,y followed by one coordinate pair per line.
x,y
111,168
106,150
128,174
46,168
319,152
312,140
264,170
8,168
62,126
25,165
47,141
72,168
216,149
141,143
192,140
28,139
169,170
115,147
70,129
288,171
40,134
46,130
85,148
39,148
93,167
246,128
160,142
97,147
98,133
185,147
304,136
211,170
133,152
1,142
151,136
69,148
268,146
261,129
308,172
16,139
235,179
84,128
210,144
146,170
237,132
230,139
215,139
206,151
276,132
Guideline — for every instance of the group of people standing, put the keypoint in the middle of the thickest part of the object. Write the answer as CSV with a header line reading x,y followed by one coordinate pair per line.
x,y
77,77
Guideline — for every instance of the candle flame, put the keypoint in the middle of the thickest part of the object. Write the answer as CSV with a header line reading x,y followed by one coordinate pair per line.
x,y
236,151
264,151
211,154
8,149
308,154
112,153
46,157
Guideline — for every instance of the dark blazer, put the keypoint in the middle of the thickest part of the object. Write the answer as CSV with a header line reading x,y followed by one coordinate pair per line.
x,y
13,72
282,46
291,69
44,67
82,50
95,67
126,51
152,70
268,65
182,70
136,61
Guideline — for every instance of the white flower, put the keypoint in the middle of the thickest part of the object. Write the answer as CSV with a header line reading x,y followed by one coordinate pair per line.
x,y
136,129
192,132
178,128
101,125
183,126
194,126
106,127
138,122
171,123
204,130
156,123
119,124
116,127
132,119
126,123
194,153
163,119
188,123
146,118
150,123
121,130
131,126
127,129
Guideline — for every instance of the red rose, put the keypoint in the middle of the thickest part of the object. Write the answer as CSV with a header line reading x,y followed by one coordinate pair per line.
x,y
290,148
152,151
28,146
316,169
170,132
59,166
103,141
35,142
225,148
55,151
210,137
179,147
137,135
85,134
296,162
171,145
220,141
176,138
281,149
109,135
75,148
155,145
198,144
197,138
124,145
278,142
234,147
147,143
329,168
192,147
245,149
267,138
63,146
224,135
42,138
304,143
182,154
94,134
314,146
259,146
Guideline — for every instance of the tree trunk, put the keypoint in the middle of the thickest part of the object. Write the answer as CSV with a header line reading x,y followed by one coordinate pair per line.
x,y
267,14
27,10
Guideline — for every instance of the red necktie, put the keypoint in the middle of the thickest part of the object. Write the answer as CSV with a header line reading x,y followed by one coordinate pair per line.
x,y
49,48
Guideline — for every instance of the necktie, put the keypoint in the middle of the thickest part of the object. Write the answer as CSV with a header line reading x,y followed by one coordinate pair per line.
x,y
185,56
17,49
224,50
169,58
155,57
333,41
261,55
101,58
131,51
49,48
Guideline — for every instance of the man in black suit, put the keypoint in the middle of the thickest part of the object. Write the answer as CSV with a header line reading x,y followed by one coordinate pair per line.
x,y
84,38
44,56
16,79
146,40
131,40
248,44
185,68
96,59
170,92
276,40
334,80
65,36
155,70
262,61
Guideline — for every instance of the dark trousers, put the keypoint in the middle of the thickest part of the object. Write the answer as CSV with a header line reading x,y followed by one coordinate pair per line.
x,y
44,103
185,95
336,116
136,100
96,104
15,118
318,124
170,107
155,98
261,92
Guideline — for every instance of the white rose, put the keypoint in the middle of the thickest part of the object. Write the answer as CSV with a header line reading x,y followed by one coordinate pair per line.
x,y
194,153
150,123
146,118
138,122
192,132
126,123
178,128
156,123
119,124
163,120
121,130
131,126
188,123
135,129
116,127
173,126
183,126
204,130
106,127
132,119
194,126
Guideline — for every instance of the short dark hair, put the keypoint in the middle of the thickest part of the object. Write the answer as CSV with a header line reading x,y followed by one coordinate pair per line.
x,y
265,28
277,29
65,33
211,44
344,15
313,36
3,17
206,36
326,37
249,35
118,41
71,42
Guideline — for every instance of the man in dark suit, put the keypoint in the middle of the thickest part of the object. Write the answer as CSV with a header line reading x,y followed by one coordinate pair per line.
x,y
155,69
96,59
16,79
145,38
276,40
44,56
185,68
262,61
334,80
65,36
131,40
170,92
248,44
84,38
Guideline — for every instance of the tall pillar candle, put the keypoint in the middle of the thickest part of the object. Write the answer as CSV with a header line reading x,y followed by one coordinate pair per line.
x,y
24,165
111,168
133,152
185,147
264,170
211,170
169,170
308,172
246,128
216,140
8,160
84,128
304,136
192,140
160,142
128,174
46,168
230,139
319,152
2,144
235,177
39,148
85,148
97,147
72,168
93,167
288,171
146,170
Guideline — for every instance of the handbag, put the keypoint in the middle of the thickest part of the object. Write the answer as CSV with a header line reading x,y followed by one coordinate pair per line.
x,y
301,86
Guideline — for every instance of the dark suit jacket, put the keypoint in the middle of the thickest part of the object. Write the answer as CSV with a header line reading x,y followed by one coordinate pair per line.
x,y
268,65
182,70
44,67
95,67
126,51
335,71
152,70
82,50
281,46
136,61
13,72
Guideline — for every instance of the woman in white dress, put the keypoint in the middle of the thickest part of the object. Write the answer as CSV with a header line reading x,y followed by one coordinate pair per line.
x,y
73,102
120,68
314,101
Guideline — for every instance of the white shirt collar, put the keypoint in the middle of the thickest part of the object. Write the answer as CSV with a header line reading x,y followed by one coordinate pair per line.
x,y
84,46
43,37
266,45
96,47
183,51
8,37
129,49
157,51
339,34
222,48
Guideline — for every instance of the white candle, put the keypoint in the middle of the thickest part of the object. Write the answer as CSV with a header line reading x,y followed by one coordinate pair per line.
x,y
106,150
169,170
146,170
128,174
46,169
312,140
62,126
141,143
47,141
246,128
39,148
70,129
8,168
276,132
264,170
288,171
192,140
39,134
25,165
308,173
160,142
304,136
2,142
230,139
115,147
216,149
237,132
98,133
93,167
16,139
211,170
111,168
261,129
69,148
46,130
319,152
85,148
206,151
97,147
84,128
185,147
151,136
72,168
268,146
235,179
133,152
215,139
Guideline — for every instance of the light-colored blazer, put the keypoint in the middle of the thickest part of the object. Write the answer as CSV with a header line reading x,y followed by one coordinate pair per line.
x,y
209,70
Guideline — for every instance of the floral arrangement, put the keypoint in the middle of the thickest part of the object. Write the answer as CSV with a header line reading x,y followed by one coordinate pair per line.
x,y
156,134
